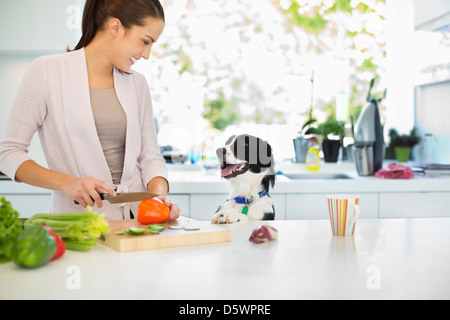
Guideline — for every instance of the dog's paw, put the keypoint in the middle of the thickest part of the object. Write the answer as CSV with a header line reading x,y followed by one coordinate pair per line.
x,y
225,217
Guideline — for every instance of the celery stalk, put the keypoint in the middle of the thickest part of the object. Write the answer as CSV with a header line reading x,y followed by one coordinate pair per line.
x,y
76,246
79,231
65,216
57,223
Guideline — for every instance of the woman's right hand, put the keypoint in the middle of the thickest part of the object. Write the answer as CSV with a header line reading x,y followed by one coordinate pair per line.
x,y
86,191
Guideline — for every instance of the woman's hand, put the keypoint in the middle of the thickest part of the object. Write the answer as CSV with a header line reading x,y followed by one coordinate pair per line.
x,y
86,191
160,186
174,209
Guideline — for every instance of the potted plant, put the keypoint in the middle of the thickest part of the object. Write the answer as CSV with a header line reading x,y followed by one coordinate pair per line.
x,y
332,132
402,144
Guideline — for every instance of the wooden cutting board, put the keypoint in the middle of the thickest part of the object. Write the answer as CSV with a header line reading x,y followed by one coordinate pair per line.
x,y
206,234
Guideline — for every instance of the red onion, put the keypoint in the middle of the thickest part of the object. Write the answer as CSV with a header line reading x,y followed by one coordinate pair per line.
x,y
263,234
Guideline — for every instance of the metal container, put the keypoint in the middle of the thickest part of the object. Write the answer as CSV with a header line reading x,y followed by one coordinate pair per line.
x,y
368,149
364,159
301,146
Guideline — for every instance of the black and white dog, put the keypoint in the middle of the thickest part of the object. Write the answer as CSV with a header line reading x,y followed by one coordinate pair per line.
x,y
247,164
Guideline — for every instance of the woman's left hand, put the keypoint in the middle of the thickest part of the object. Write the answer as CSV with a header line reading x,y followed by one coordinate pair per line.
x,y
160,186
174,209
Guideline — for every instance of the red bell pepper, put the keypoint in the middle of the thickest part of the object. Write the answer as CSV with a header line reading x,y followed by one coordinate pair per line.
x,y
60,246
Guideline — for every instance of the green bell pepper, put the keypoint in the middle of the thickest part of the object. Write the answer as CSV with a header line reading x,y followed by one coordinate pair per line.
x,y
34,247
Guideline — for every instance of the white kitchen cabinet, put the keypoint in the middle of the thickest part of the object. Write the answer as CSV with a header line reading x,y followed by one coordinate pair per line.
x,y
30,204
314,206
183,202
300,206
415,205
279,202
203,206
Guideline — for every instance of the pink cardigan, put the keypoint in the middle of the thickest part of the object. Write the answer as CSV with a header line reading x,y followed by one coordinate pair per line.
x,y
54,100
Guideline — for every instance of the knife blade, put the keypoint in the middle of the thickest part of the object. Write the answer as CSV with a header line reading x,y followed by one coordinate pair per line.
x,y
126,197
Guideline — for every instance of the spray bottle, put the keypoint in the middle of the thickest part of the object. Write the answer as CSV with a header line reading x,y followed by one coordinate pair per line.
x,y
313,157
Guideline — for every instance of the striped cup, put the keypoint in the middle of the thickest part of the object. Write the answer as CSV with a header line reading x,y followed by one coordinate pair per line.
x,y
344,210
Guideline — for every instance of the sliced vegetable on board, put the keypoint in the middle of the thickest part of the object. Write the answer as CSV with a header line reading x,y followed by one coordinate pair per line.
x,y
134,231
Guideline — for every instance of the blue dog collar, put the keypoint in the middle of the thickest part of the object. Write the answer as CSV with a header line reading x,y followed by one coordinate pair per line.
x,y
246,202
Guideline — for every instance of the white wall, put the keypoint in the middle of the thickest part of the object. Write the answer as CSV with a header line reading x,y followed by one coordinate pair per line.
x,y
12,70
29,29
39,25
400,57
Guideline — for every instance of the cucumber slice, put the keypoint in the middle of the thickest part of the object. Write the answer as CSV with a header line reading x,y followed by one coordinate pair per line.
x,y
156,227
176,227
151,231
135,231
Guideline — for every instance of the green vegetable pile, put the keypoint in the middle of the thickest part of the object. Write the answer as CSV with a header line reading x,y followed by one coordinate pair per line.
x,y
44,237
79,231
10,228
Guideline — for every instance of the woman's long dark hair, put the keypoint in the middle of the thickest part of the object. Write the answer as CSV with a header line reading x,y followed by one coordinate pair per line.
x,y
129,12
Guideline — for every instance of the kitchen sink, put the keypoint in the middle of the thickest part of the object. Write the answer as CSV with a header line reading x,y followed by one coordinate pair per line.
x,y
318,176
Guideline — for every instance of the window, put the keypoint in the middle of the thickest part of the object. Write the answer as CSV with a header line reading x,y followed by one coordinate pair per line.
x,y
224,67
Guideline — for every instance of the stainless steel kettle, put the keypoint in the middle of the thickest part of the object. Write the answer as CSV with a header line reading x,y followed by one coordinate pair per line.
x,y
368,148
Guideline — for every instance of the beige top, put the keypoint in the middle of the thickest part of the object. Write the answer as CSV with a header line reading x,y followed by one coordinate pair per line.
x,y
111,124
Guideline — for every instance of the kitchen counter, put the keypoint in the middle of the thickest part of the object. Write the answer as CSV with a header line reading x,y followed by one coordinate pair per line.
x,y
192,180
199,192
386,259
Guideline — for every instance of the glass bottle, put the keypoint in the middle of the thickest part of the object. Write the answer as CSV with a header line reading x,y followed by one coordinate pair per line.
x,y
428,151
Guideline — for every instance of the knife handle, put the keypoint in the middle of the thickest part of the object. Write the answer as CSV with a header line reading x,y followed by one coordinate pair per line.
x,y
102,196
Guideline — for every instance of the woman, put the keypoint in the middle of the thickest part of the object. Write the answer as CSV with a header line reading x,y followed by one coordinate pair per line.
x,y
93,115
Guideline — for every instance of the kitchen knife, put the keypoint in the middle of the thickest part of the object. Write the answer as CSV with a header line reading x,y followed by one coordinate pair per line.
x,y
126,197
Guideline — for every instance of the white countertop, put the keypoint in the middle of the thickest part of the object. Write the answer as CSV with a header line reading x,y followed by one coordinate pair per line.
x,y
386,259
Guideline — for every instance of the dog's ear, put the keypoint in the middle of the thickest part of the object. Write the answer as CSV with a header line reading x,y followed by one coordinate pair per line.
x,y
269,179
267,182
